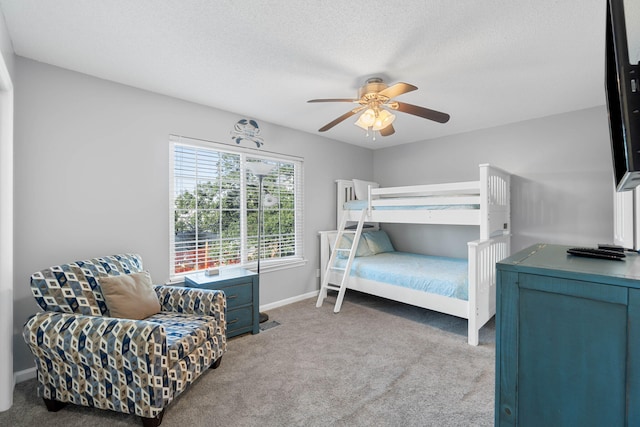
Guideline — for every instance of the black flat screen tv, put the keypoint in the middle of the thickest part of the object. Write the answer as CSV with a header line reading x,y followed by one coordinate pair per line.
x,y
622,85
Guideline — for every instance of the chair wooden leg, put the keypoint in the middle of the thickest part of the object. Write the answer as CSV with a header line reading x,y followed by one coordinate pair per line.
x,y
53,405
153,422
215,364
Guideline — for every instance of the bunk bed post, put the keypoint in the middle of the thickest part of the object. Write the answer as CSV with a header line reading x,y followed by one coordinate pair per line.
x,y
484,201
325,253
483,256
345,193
496,199
474,285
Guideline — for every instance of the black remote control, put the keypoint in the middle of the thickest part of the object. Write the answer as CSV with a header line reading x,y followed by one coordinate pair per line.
x,y
610,247
597,253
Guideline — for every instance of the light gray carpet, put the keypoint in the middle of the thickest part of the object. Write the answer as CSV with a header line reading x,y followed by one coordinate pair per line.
x,y
376,363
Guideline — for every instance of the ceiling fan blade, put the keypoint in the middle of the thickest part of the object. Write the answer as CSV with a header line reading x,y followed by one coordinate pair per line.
x,y
397,89
389,130
333,100
426,113
340,119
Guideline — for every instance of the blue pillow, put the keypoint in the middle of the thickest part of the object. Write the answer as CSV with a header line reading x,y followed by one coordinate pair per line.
x,y
346,242
378,241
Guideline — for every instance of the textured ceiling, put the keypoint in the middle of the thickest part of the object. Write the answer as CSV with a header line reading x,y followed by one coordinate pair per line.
x,y
486,63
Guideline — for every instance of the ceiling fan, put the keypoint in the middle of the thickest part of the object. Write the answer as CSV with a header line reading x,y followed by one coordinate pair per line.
x,y
376,99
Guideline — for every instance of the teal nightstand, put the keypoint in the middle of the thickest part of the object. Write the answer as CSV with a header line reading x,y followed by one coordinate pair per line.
x,y
241,288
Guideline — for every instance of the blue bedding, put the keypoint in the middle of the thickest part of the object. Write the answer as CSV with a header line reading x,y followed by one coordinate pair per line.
x,y
439,275
362,204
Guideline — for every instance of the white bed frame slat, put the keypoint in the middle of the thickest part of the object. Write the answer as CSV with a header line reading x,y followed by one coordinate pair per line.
x,y
459,217
469,187
491,192
433,200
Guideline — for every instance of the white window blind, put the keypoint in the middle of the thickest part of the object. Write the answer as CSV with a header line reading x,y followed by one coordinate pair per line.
x,y
214,207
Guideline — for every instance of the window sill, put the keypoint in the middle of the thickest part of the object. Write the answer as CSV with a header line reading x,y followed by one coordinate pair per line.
x,y
265,267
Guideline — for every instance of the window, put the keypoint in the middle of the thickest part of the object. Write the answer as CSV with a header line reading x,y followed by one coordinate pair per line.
x,y
214,207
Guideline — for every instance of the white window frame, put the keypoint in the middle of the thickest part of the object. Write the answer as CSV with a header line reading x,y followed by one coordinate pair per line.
x,y
267,264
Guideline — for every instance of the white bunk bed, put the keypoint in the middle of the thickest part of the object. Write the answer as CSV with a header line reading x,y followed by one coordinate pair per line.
x,y
484,203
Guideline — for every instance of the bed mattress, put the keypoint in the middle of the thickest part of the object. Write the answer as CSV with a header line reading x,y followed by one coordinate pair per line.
x,y
439,275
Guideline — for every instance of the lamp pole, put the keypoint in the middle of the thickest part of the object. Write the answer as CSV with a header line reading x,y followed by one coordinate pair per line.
x,y
260,170
263,317
260,178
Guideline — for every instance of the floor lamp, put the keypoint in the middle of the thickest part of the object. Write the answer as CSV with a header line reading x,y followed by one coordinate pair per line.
x,y
260,170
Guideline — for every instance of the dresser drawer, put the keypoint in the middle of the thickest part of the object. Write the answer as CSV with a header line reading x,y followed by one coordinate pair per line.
x,y
239,319
238,295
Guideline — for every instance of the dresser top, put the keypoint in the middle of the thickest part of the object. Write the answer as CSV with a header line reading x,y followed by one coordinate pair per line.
x,y
554,260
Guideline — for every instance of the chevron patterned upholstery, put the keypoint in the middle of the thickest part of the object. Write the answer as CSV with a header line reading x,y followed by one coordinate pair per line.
x,y
85,357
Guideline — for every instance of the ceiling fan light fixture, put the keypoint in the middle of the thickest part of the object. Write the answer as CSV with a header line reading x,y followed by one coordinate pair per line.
x,y
366,119
383,120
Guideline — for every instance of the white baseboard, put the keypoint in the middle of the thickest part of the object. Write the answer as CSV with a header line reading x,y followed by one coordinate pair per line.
x,y
24,375
288,301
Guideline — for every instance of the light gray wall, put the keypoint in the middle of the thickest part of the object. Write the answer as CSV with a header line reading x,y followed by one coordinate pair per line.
x,y
91,177
561,189
6,47
6,217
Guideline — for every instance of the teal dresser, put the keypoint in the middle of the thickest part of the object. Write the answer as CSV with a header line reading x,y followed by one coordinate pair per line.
x,y
241,287
567,340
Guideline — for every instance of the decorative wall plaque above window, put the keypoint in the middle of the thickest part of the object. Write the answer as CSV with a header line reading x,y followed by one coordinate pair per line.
x,y
249,130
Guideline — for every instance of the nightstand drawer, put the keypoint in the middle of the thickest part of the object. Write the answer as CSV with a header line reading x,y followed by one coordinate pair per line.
x,y
241,288
238,295
239,318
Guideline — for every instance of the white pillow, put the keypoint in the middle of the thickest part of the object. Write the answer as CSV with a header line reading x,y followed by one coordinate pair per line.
x,y
362,188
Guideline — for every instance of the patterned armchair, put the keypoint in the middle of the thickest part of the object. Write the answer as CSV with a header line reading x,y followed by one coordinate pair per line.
x,y
84,356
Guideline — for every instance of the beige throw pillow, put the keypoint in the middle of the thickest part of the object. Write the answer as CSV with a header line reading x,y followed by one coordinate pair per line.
x,y
130,296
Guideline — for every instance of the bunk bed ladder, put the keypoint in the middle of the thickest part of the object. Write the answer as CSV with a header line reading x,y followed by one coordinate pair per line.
x,y
351,251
